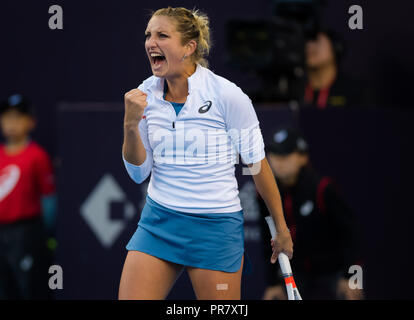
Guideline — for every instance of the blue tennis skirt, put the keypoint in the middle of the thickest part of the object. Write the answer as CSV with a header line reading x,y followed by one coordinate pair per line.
x,y
208,241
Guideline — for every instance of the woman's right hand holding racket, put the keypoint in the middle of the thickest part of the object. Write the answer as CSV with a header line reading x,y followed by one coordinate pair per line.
x,y
281,243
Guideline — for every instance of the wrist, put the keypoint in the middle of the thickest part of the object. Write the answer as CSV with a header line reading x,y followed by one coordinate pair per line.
x,y
279,221
281,226
131,124
282,230
132,118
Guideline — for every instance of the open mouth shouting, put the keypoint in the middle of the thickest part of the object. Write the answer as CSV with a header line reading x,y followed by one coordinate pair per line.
x,y
157,60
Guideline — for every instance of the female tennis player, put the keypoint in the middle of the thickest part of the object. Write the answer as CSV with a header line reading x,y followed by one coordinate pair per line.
x,y
184,125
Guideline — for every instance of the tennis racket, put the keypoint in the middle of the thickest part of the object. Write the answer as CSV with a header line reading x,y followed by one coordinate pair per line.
x,y
291,289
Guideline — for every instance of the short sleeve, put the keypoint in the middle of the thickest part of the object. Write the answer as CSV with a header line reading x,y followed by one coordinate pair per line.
x,y
238,110
243,126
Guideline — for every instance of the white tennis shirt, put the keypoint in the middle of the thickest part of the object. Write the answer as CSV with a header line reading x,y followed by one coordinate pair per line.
x,y
191,156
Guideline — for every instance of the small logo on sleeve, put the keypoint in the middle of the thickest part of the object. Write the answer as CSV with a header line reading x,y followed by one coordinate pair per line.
x,y
205,107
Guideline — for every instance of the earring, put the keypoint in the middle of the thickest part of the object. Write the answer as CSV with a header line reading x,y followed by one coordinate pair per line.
x,y
184,57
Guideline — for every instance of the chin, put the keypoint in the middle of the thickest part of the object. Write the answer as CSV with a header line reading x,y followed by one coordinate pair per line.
x,y
158,73
284,179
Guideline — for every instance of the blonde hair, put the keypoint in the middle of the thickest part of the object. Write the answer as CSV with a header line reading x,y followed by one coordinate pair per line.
x,y
192,25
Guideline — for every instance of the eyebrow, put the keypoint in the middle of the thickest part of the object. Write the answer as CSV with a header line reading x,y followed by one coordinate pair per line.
x,y
159,31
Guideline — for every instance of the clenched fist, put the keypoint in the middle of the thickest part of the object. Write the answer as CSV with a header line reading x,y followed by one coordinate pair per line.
x,y
135,103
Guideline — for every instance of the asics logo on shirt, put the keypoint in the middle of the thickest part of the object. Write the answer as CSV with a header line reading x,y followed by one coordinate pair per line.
x,y
205,107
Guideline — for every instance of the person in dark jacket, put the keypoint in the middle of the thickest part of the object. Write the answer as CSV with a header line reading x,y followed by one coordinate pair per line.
x,y
322,226
327,85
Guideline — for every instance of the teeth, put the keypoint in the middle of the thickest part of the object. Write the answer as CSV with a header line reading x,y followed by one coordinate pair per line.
x,y
153,55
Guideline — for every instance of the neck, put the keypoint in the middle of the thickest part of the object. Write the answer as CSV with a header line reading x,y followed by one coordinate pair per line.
x,y
178,86
290,182
322,77
16,145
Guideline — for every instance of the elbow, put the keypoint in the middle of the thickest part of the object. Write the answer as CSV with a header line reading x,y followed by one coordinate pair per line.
x,y
140,178
138,173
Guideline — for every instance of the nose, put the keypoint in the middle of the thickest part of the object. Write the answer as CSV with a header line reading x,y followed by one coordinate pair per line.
x,y
151,43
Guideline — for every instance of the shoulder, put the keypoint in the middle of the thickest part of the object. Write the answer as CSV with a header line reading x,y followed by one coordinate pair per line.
x,y
224,87
38,151
309,179
347,83
228,93
327,189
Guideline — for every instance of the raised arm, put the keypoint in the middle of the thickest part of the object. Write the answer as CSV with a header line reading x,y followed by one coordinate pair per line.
x,y
133,148
136,151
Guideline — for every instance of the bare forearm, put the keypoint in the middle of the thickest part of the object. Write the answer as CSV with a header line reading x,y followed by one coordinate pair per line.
x,y
268,190
133,148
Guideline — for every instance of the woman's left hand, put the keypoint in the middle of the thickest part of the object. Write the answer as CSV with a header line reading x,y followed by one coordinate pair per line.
x,y
282,243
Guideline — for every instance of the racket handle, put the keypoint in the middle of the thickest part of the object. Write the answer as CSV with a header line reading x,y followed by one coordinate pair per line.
x,y
284,264
283,258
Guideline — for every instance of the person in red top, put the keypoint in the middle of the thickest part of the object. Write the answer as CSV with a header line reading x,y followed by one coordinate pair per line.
x,y
26,184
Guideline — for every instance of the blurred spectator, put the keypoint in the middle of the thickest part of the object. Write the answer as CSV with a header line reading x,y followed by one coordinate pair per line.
x,y
26,180
327,86
323,228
